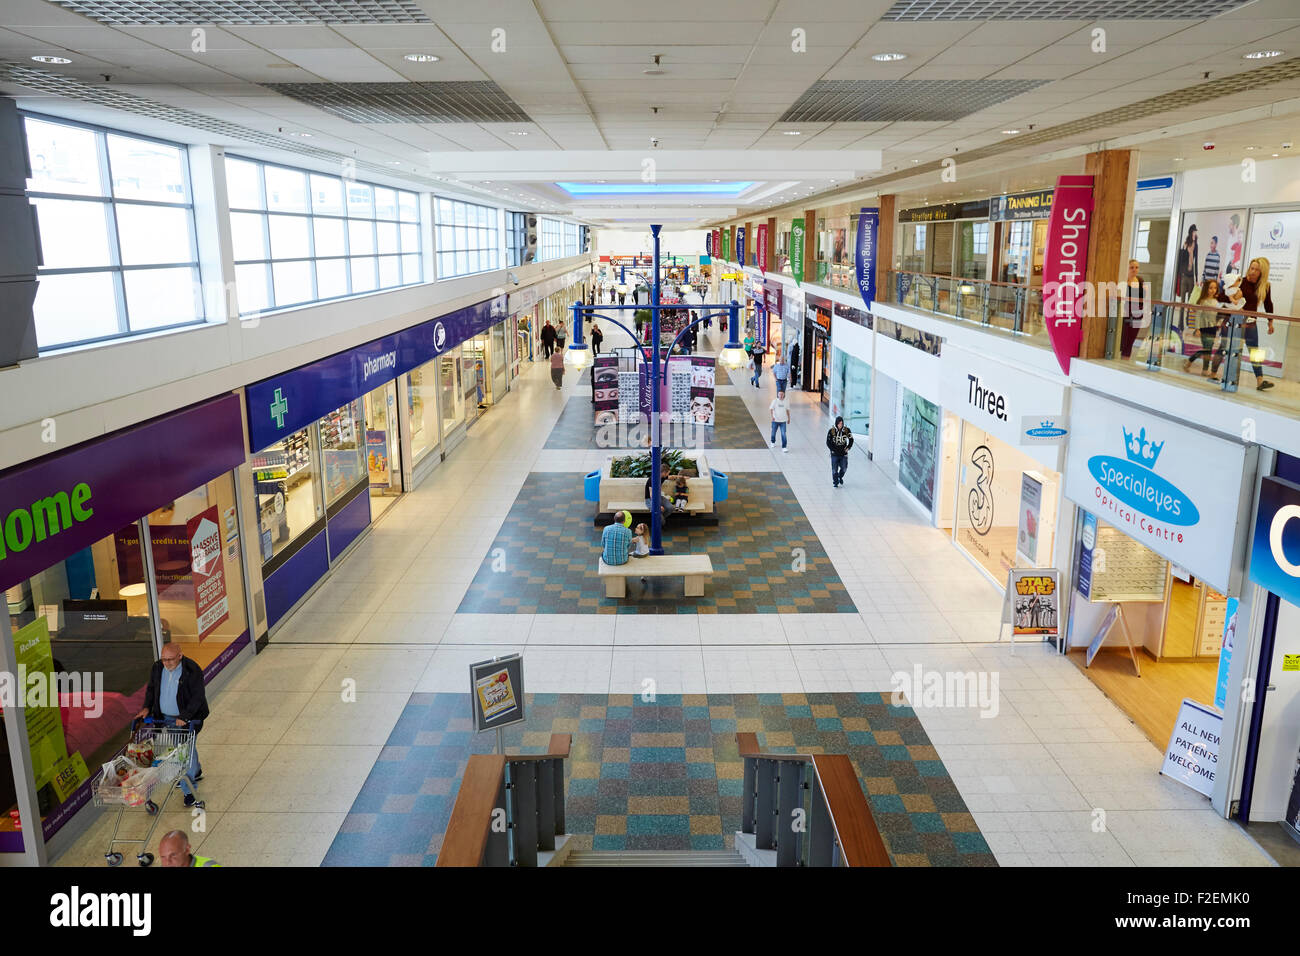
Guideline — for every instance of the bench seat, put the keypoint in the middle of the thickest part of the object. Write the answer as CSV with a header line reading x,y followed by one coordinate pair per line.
x,y
693,567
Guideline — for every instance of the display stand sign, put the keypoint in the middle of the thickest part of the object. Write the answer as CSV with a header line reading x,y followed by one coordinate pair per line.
x,y
1065,266
377,457
1192,756
1031,507
211,602
1032,604
1225,652
496,690
1114,616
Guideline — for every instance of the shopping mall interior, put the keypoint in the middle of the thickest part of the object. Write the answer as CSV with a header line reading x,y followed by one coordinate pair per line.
x,y
341,344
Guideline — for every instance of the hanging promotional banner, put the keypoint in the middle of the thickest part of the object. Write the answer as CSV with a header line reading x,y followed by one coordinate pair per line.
x,y
717,244
1192,756
726,244
796,249
868,227
211,603
1146,475
760,251
1065,266
708,243
740,245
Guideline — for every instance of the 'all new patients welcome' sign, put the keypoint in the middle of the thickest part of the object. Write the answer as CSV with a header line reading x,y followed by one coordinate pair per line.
x,y
1153,479
1065,266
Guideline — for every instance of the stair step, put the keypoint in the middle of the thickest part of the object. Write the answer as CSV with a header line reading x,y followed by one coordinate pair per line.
x,y
655,858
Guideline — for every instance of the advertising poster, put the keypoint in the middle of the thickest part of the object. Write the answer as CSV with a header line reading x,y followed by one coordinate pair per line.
x,y
1219,252
868,226
1225,652
1276,237
377,457
497,692
796,249
44,726
1035,602
1031,503
211,603
920,424
1087,542
703,375
1192,757
1065,262
605,392
629,397
495,695
171,559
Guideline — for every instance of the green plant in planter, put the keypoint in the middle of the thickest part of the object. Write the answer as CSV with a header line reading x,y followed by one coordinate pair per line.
x,y
638,466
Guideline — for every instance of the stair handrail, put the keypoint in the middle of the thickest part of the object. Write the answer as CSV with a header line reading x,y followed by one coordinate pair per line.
x,y
470,838
836,792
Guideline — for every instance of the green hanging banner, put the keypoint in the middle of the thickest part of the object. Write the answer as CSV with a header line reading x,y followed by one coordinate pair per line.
x,y
796,250
726,244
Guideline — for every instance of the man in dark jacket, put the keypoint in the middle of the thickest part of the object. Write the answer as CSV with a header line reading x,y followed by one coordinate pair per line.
x,y
175,695
548,339
839,440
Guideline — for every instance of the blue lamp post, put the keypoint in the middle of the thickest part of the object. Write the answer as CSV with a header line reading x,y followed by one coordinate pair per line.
x,y
732,357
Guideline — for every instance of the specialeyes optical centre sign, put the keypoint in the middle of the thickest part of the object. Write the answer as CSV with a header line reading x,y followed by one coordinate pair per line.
x,y
57,505
285,403
1176,490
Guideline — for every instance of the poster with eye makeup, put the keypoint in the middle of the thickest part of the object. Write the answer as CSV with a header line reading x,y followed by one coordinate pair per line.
x,y
604,389
703,372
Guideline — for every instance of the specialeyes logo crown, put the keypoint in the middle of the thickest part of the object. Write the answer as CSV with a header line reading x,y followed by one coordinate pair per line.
x,y
1133,481
1140,449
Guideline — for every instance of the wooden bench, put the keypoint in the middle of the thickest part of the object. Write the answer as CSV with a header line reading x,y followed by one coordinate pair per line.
x,y
693,567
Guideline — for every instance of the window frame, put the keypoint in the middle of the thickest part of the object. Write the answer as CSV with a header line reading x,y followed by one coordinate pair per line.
x,y
456,222
108,203
345,218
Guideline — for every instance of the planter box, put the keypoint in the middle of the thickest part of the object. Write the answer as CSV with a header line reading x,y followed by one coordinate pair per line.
x,y
624,490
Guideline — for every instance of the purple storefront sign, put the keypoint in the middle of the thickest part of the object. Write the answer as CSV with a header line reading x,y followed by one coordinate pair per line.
x,y
282,405
57,505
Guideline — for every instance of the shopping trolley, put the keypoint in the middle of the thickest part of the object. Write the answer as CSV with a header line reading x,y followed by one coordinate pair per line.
x,y
126,783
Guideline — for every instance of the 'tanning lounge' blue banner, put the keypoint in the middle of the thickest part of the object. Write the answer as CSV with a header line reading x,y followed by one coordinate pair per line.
x,y
284,403
868,229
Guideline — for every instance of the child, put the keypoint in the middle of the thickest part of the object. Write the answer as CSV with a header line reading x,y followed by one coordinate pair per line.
x,y
681,494
641,541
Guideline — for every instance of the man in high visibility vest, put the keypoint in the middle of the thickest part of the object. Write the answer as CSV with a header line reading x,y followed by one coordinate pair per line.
x,y
174,850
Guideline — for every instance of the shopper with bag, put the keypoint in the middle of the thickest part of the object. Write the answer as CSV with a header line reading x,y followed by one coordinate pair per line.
x,y
557,368
175,695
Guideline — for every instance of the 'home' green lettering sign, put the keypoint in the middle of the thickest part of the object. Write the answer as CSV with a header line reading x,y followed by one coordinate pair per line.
x,y
45,518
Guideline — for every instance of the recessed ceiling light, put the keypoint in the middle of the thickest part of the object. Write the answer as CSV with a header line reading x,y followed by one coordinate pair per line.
x,y
1178,159
792,132
1010,132
888,57
51,59
422,58
303,135
1262,54
916,160
1275,155
519,132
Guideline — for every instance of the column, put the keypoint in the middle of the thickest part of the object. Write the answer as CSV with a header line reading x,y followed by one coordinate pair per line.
x,y
1114,185
885,245
750,239
810,245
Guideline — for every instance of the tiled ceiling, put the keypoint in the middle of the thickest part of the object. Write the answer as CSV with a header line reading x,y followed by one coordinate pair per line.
x,y
331,78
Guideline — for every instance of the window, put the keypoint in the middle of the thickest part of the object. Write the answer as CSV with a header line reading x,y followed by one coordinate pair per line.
x,y
552,240
117,234
516,237
468,238
981,239
572,239
304,237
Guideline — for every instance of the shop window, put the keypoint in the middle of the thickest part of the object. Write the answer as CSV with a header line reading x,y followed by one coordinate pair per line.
x,y
112,210
288,501
1006,505
422,402
200,592
87,621
452,398
342,451
851,391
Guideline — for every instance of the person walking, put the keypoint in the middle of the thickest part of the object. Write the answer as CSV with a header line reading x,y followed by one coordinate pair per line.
x,y
781,372
1250,293
560,337
548,339
557,368
780,418
1135,297
175,695
794,364
597,336
758,365
1208,324
839,440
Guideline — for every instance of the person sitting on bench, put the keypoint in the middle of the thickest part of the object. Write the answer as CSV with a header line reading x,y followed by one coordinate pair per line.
x,y
615,542
681,494
665,502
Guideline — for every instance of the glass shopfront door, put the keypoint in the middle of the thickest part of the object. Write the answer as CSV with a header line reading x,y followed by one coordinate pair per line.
x,y
383,447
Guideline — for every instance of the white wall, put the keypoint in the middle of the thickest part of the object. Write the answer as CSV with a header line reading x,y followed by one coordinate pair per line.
x,y
638,242
1276,181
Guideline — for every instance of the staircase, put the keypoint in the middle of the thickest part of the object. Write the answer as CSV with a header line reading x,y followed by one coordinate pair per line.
x,y
654,858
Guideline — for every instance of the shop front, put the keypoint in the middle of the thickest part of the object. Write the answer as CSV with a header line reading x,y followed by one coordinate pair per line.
x,y
948,240
110,550
851,369
1157,554
1003,448
771,332
319,435
816,350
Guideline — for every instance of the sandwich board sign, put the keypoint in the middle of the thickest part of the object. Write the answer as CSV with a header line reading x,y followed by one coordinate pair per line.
x,y
1192,756
497,692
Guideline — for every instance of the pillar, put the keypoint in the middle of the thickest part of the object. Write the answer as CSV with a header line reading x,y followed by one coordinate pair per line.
x,y
750,241
1114,185
885,243
810,245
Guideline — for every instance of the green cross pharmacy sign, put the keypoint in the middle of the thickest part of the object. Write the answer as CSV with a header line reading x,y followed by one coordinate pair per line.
x,y
279,408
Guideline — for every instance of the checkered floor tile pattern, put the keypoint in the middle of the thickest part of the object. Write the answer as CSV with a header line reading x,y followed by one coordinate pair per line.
x,y
733,427
766,557
661,775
